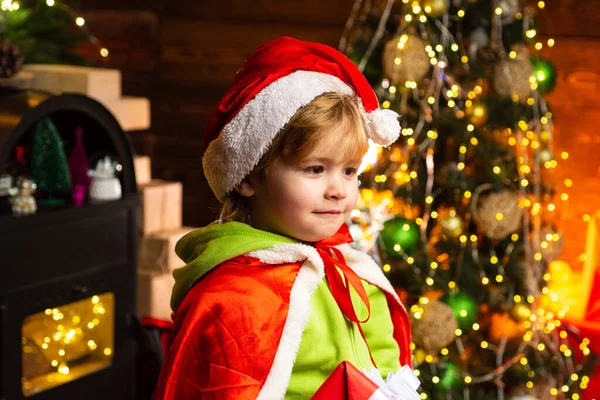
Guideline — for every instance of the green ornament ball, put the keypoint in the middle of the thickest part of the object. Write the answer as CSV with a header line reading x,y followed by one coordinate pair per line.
x,y
545,73
451,376
399,236
464,307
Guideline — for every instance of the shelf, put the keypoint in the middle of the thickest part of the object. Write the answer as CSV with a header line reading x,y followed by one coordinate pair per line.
x,y
59,215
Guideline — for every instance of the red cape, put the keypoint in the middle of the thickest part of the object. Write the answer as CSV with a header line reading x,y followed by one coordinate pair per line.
x,y
228,332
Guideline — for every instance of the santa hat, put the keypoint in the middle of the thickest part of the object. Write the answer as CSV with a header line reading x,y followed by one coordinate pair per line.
x,y
279,78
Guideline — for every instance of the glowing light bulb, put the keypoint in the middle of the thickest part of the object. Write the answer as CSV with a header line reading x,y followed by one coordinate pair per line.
x,y
63,369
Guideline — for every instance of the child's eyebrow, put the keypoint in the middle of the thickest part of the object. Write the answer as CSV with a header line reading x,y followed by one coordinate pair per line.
x,y
317,159
328,160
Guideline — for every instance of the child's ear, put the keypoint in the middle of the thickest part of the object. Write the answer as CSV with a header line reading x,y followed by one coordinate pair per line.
x,y
245,188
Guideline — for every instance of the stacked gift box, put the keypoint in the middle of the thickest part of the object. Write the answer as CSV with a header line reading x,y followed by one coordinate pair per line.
x,y
101,84
160,229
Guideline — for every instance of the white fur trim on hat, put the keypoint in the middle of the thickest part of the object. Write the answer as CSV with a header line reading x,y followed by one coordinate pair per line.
x,y
245,139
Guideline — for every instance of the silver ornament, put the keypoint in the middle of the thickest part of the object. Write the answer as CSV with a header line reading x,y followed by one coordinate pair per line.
x,y
477,40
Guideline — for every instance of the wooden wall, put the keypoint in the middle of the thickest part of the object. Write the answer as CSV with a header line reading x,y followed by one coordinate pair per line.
x,y
183,54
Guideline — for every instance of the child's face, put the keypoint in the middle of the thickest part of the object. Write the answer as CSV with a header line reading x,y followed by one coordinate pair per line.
x,y
308,201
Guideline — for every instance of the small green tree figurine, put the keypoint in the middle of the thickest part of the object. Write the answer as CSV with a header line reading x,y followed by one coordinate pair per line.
x,y
49,166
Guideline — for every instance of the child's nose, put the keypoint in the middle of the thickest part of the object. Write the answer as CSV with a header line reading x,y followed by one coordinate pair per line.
x,y
336,189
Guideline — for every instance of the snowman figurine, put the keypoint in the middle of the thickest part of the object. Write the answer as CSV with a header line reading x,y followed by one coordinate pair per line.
x,y
105,185
22,201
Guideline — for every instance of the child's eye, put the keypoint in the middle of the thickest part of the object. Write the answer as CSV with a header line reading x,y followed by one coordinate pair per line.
x,y
350,171
314,169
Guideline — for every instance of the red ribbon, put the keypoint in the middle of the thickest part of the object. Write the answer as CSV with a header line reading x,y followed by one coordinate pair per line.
x,y
341,277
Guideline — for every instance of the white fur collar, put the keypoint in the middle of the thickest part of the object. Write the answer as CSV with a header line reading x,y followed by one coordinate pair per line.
x,y
361,263
309,277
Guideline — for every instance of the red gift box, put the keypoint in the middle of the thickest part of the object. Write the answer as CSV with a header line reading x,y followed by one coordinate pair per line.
x,y
346,382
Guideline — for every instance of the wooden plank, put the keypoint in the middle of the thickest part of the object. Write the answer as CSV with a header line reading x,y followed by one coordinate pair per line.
x,y
130,36
331,12
182,111
212,51
124,5
570,18
176,125
137,83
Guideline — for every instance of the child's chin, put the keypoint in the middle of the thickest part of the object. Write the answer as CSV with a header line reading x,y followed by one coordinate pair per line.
x,y
312,237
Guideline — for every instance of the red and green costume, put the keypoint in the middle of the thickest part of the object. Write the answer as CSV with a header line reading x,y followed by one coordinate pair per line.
x,y
265,323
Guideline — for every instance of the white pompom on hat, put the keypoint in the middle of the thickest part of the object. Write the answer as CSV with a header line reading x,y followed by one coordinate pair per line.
x,y
279,78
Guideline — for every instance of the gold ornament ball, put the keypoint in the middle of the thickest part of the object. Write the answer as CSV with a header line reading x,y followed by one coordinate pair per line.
x,y
511,78
405,59
452,226
498,214
435,8
478,114
520,312
435,326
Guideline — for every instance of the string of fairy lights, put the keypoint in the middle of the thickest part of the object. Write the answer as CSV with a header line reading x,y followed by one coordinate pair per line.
x,y
78,20
531,142
65,336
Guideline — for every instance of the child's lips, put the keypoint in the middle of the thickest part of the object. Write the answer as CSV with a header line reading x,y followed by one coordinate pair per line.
x,y
328,212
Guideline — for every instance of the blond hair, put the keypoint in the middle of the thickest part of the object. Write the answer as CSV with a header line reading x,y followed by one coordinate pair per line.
x,y
311,125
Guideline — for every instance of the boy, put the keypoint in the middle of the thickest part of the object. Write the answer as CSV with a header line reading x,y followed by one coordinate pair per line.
x,y
273,298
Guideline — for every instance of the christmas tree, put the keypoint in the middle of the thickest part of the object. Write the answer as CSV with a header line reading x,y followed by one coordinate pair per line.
x,y
49,166
46,31
456,208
